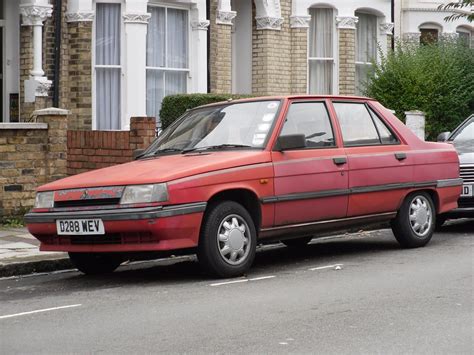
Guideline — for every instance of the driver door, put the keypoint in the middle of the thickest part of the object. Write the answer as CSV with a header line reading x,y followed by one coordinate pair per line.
x,y
311,184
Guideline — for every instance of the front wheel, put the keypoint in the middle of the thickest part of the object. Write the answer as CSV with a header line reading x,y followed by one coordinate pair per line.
x,y
228,240
415,222
96,263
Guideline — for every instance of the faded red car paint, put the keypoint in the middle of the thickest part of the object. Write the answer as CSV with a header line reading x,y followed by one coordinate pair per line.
x,y
290,187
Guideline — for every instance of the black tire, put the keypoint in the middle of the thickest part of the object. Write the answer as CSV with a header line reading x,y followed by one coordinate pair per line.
x,y
220,242
297,242
405,229
440,219
96,263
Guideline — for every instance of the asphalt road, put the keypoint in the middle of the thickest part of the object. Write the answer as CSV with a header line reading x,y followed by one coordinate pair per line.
x,y
379,299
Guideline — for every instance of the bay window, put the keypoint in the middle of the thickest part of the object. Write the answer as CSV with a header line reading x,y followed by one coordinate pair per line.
x,y
366,48
108,69
321,51
167,66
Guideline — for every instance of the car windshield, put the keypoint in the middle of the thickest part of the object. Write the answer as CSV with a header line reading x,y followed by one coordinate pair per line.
x,y
463,139
228,126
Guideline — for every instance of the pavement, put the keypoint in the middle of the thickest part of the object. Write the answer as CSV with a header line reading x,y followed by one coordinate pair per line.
x,y
20,255
350,294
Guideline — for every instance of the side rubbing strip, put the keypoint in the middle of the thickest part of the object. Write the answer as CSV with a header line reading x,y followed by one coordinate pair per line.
x,y
360,190
449,182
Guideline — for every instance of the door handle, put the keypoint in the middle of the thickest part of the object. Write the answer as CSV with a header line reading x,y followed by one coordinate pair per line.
x,y
339,161
400,156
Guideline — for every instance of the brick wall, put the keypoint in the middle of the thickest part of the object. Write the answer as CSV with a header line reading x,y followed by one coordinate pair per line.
x,y
79,75
220,59
346,61
31,154
299,60
88,150
271,52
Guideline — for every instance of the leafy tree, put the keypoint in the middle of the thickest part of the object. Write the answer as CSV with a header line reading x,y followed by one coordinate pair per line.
x,y
459,5
435,78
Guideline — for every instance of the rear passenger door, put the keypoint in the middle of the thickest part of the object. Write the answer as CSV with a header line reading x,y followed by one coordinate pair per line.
x,y
310,183
380,169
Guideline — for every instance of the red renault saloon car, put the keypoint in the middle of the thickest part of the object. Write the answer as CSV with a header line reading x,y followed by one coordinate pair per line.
x,y
227,176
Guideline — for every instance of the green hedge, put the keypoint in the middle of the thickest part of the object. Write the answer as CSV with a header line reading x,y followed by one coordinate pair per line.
x,y
174,106
437,79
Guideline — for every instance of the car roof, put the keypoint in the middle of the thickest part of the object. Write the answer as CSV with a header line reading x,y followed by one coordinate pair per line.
x,y
289,97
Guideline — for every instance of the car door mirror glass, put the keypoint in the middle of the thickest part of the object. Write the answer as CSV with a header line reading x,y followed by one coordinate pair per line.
x,y
291,141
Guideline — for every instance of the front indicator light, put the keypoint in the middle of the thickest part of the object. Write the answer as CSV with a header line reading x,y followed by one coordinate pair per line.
x,y
44,200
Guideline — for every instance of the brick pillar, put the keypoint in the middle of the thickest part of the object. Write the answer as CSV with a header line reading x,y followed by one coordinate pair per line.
x,y
220,58
142,132
80,74
347,28
26,65
56,147
299,53
271,53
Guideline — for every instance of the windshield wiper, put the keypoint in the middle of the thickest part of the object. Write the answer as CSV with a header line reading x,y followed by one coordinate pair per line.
x,y
159,151
219,146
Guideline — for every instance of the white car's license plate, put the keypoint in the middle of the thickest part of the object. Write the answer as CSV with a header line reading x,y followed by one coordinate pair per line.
x,y
467,191
80,226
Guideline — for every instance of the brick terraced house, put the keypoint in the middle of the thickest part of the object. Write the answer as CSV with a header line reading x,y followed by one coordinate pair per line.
x,y
109,60
109,63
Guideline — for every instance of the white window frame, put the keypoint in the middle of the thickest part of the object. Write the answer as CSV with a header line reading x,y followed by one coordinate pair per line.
x,y
466,31
377,42
121,66
165,69
335,52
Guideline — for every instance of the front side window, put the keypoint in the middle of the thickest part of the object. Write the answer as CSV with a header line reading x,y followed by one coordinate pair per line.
x,y
108,66
366,48
312,120
167,64
238,125
321,51
464,37
361,126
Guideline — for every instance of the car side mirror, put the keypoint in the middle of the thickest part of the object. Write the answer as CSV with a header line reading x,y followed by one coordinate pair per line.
x,y
137,152
443,137
291,141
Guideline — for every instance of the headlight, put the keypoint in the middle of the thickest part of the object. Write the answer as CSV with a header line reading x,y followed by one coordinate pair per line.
x,y
44,200
144,194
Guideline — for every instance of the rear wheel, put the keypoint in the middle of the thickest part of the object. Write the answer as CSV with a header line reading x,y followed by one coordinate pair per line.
x,y
96,263
297,242
228,240
415,222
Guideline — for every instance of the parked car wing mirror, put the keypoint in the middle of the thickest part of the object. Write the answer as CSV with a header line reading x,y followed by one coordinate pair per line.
x,y
443,137
291,141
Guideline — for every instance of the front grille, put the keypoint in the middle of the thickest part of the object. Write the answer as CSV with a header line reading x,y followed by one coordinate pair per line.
x,y
467,173
116,239
466,202
87,203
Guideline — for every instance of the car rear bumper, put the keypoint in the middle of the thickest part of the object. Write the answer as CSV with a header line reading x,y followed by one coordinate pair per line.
x,y
126,230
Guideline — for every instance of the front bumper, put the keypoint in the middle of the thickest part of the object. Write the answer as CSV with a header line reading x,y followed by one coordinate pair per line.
x,y
126,230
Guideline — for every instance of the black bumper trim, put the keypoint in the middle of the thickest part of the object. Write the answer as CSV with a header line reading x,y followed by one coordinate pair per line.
x,y
124,214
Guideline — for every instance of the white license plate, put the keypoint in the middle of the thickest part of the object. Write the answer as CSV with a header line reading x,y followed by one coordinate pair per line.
x,y
80,226
467,191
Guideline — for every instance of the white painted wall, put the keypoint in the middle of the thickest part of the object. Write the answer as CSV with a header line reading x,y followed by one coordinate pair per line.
x,y
242,47
411,14
11,53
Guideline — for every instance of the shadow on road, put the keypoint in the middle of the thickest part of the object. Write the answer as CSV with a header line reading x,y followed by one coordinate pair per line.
x,y
185,270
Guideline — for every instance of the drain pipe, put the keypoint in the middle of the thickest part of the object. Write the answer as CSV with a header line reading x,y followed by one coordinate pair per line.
x,y
57,51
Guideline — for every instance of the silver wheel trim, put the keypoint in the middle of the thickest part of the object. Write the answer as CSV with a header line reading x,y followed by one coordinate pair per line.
x,y
233,239
420,216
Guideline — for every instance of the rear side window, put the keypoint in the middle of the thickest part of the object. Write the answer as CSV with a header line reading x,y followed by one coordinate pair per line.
x,y
361,126
312,120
